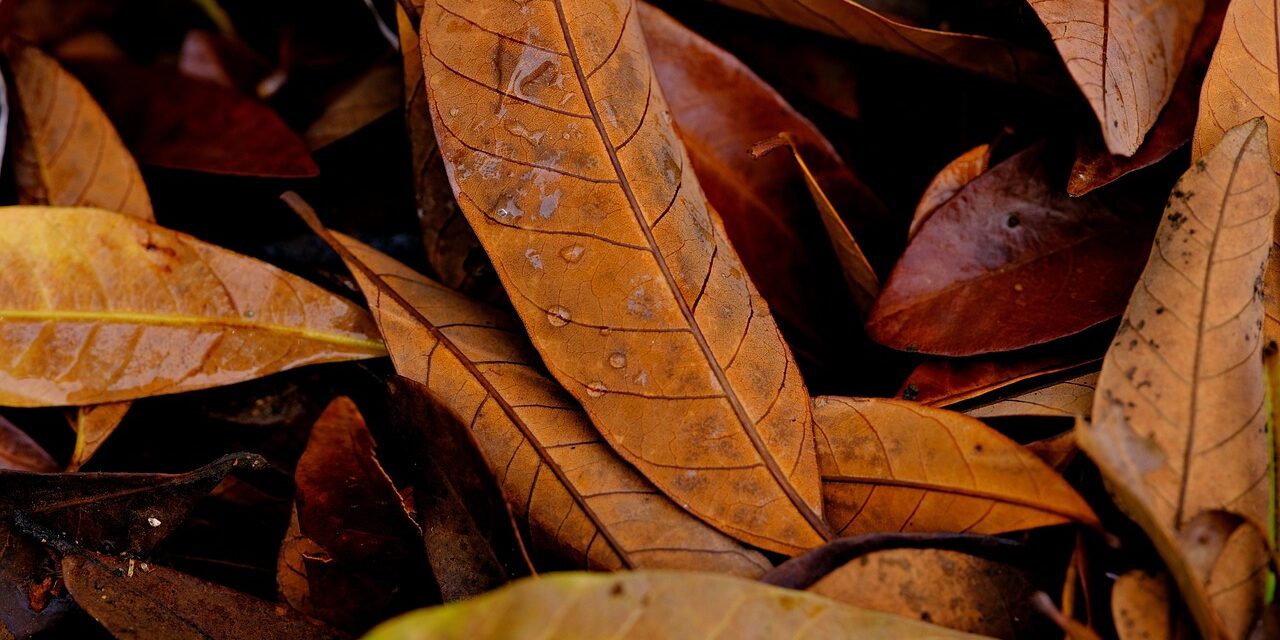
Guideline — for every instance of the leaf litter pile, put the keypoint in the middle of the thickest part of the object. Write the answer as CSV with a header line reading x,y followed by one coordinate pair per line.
x,y
597,319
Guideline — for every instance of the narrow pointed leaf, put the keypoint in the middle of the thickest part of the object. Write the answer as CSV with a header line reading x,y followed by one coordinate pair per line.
x,y
891,465
1125,55
1065,398
1179,421
147,310
562,156
373,94
18,452
652,604
1242,80
93,425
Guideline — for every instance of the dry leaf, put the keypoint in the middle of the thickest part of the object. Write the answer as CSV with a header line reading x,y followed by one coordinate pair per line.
x,y
581,501
1009,262
361,554
373,94
150,311
139,601
1096,167
18,452
652,604
1179,426
562,156
1066,398
67,153
1125,55
946,588
891,465
1056,451
949,181
1140,606
1242,79
93,425
856,21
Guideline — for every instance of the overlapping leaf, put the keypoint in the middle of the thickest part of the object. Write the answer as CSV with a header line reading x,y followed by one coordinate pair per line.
x,y
1242,80
563,158
892,465
99,307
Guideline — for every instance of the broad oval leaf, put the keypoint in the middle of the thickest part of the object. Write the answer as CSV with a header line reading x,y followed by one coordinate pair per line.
x,y
1009,262
892,465
1125,55
1179,422
580,499
98,307
651,604
856,21
561,153
67,152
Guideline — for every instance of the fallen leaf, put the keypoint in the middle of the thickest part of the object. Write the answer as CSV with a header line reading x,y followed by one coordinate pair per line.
x,y
575,182
473,539
93,425
172,120
1009,262
861,279
946,588
892,465
18,452
221,60
858,22
66,152
136,601
763,201
363,559
150,311
1066,398
1096,167
1056,451
581,501
1125,55
373,94
1140,606
949,182
1240,85
651,604
1178,423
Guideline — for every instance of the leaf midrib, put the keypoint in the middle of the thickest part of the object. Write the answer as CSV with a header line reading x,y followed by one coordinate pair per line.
x,y
722,378
375,347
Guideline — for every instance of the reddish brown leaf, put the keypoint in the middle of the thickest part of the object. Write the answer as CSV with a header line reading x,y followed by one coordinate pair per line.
x,y
949,182
1011,261
18,452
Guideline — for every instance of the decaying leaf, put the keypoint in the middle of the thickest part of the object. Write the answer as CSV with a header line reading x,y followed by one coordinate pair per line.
x,y
946,588
858,22
1242,79
1125,55
580,499
953,177
561,153
18,452
1065,398
1009,262
361,557
1140,606
1096,167
892,465
1179,427
150,311
651,604
373,94
861,279
140,601
66,152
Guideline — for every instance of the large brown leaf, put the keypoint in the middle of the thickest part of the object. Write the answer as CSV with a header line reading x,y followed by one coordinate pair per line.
x,y
1125,55
948,588
855,21
98,307
1242,80
721,109
67,153
1009,262
1179,426
580,499
358,557
138,601
1096,167
652,604
892,465
563,158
